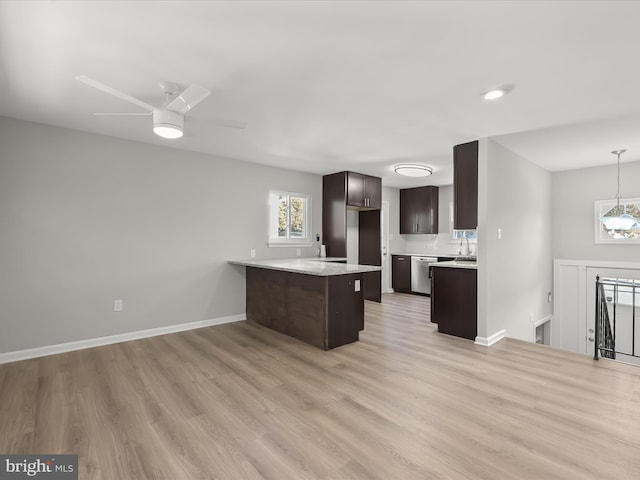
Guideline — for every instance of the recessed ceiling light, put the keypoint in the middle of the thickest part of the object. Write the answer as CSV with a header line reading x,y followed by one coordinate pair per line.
x,y
413,170
493,94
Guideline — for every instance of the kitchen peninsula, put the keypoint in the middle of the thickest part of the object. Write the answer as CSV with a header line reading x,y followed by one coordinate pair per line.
x,y
315,301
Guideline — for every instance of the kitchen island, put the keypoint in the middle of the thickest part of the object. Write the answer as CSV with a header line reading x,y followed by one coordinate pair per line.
x,y
315,301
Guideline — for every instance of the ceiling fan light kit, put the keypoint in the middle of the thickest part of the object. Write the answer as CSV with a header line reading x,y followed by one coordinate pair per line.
x,y
168,124
413,170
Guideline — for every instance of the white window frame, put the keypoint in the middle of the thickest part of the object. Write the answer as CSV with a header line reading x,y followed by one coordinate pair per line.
x,y
274,240
599,208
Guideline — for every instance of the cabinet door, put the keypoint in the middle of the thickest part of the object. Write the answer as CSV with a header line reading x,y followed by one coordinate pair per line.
x,y
401,273
373,192
407,211
426,208
334,214
454,301
372,286
355,189
465,186
345,315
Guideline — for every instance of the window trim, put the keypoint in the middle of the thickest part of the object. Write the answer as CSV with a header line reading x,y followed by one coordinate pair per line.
x,y
600,237
304,241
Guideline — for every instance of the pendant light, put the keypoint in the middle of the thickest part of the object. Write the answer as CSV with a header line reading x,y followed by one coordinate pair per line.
x,y
623,221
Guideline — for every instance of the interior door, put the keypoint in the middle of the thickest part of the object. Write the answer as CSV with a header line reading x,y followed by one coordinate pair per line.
x,y
586,334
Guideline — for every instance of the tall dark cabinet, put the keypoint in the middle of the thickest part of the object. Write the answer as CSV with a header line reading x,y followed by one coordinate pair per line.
x,y
419,210
465,186
354,191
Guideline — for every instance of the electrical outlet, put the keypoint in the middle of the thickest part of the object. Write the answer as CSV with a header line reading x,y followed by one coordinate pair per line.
x,y
499,234
253,253
357,286
118,305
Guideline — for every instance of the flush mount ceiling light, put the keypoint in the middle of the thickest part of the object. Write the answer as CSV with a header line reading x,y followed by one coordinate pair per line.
x,y
413,170
622,221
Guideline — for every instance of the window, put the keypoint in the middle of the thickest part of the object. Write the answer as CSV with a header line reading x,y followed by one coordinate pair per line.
x,y
289,219
609,231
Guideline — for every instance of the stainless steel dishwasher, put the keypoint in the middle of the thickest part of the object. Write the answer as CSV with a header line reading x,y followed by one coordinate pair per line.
x,y
420,278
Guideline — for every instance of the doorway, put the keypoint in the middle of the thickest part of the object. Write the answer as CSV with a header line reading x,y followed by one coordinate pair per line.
x,y
384,242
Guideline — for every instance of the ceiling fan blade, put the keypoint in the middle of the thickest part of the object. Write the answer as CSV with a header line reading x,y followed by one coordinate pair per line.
x,y
188,99
116,93
116,114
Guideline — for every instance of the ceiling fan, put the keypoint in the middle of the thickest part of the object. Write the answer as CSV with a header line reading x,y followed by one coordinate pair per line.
x,y
168,120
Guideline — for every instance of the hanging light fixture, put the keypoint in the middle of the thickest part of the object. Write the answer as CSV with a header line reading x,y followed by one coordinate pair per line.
x,y
413,170
622,221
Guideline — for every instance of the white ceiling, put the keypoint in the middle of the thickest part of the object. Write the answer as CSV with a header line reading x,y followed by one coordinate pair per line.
x,y
328,86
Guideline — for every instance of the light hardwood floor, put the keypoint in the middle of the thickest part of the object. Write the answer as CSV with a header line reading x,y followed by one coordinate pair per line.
x,y
239,401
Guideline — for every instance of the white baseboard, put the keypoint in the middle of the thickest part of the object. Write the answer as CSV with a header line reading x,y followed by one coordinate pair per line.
x,y
488,341
121,337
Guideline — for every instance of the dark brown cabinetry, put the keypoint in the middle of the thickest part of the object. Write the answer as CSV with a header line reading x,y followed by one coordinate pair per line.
x,y
465,186
324,311
369,253
454,301
419,210
401,273
354,191
364,191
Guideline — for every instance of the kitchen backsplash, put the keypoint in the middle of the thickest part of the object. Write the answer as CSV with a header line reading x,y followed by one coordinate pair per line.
x,y
430,244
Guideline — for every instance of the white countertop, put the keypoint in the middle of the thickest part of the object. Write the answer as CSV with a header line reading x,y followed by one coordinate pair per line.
x,y
452,255
454,264
309,266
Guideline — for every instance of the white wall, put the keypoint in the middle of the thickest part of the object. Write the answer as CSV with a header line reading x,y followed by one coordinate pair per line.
x,y
573,194
514,272
87,219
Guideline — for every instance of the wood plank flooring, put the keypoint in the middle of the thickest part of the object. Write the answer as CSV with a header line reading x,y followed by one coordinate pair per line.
x,y
239,401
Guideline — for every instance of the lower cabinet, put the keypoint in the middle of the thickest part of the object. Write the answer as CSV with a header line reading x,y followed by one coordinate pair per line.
x,y
401,273
371,286
454,301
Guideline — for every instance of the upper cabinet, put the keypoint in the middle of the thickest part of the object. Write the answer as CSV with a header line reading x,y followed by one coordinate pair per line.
x,y
465,186
364,191
419,210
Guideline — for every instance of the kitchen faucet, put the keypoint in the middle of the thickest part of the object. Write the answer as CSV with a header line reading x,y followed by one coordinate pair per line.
x,y
468,250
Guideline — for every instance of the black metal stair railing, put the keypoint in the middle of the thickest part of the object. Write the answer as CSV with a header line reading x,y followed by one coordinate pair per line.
x,y
605,342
